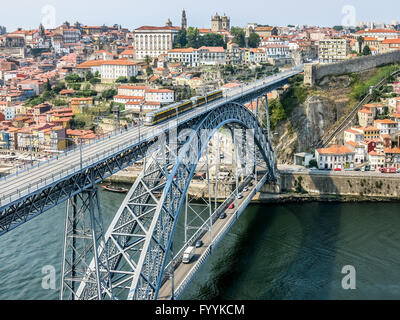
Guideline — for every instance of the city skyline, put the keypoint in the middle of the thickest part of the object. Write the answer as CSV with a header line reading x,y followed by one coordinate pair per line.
x,y
133,15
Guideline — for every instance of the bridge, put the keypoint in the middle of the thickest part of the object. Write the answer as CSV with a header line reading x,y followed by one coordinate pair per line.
x,y
133,258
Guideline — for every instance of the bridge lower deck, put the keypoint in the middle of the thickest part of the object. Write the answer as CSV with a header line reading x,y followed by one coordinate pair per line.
x,y
184,273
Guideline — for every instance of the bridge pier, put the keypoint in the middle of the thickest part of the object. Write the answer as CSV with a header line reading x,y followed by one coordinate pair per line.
x,y
83,235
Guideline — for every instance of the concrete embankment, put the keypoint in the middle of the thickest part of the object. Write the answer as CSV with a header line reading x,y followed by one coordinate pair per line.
x,y
314,186
302,187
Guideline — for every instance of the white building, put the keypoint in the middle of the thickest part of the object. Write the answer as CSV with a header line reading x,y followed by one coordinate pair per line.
x,y
153,41
141,97
163,96
277,51
354,135
186,56
8,111
113,69
335,157
376,159
360,155
333,50
110,70
211,55
386,126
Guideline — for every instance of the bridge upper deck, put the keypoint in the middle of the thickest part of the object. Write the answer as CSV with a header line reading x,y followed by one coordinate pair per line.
x,y
16,187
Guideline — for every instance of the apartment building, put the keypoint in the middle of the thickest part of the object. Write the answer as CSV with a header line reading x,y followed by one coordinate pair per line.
x,y
186,56
335,157
333,50
110,70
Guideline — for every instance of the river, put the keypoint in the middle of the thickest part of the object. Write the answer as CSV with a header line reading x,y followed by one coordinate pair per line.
x,y
274,251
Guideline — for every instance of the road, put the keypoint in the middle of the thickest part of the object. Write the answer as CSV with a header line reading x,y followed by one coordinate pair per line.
x,y
15,187
346,173
218,227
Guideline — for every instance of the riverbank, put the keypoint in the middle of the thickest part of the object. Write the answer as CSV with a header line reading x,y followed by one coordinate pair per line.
x,y
301,187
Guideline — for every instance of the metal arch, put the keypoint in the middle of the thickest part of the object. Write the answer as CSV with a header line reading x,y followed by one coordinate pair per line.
x,y
139,238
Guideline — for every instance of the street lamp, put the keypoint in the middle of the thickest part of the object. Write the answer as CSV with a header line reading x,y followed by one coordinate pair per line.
x,y
140,113
80,149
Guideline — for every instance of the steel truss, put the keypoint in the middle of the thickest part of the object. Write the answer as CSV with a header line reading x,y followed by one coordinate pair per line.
x,y
139,239
83,237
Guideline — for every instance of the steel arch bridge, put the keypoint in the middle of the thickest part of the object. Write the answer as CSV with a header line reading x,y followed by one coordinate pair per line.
x,y
134,253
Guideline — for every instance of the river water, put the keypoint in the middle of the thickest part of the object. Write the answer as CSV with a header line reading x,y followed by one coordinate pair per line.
x,y
274,251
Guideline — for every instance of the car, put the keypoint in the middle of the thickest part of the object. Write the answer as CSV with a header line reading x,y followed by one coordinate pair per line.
x,y
240,196
232,206
222,216
245,189
357,169
337,169
199,244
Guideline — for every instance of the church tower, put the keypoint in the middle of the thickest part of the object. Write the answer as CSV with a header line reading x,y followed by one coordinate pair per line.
x,y
184,19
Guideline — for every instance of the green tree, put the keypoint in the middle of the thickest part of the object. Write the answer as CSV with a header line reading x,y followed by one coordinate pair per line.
x,y
338,28
122,80
360,41
89,75
180,40
133,79
366,51
193,37
73,78
149,70
94,80
254,40
212,40
97,74
48,85
109,94
59,86
238,35
148,60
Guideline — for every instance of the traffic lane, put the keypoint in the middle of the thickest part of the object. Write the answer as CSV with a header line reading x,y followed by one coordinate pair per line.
x,y
183,269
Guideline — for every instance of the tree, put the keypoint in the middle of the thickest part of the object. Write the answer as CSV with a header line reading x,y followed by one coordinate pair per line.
x,y
48,85
133,79
94,80
109,94
366,51
73,78
121,80
148,60
193,37
88,76
360,41
97,74
338,28
180,40
238,36
254,40
149,70
59,86
212,40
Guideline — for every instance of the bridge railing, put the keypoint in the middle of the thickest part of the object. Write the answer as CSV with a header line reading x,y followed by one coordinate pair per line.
x,y
23,168
69,171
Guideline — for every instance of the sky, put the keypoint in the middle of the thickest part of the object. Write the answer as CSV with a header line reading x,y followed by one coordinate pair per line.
x,y
135,13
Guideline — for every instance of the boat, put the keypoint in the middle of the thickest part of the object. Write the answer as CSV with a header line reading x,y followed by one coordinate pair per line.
x,y
112,188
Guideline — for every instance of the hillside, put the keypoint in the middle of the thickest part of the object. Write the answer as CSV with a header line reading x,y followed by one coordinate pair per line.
x,y
306,113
